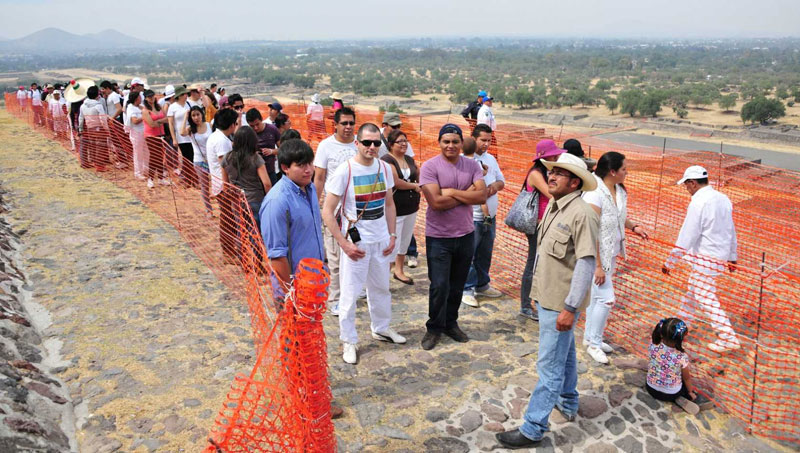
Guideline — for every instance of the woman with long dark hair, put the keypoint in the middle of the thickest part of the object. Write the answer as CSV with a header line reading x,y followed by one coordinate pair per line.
x,y
406,198
154,119
536,180
244,167
199,130
610,201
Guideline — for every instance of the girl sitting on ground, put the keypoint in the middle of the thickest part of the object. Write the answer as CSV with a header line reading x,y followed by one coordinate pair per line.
x,y
668,377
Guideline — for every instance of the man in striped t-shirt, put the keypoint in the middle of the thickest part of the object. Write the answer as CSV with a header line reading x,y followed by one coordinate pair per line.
x,y
367,237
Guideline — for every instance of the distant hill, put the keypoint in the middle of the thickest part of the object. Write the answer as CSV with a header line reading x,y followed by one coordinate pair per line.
x,y
57,40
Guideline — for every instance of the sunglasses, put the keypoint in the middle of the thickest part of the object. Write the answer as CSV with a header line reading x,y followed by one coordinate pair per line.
x,y
238,107
395,127
348,123
369,143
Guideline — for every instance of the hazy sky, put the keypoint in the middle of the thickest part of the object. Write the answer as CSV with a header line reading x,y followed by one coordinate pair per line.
x,y
179,20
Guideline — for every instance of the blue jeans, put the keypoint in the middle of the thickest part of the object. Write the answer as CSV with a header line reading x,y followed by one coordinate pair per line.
x,y
558,376
448,265
412,248
478,277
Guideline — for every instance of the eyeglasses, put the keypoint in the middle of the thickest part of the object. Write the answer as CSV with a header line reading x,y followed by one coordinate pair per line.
x,y
238,107
347,123
564,174
369,143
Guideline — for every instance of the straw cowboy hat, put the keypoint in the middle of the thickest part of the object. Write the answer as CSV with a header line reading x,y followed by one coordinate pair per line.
x,y
336,95
577,167
76,90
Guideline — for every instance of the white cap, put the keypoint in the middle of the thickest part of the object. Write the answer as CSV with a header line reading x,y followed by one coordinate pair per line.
x,y
693,172
169,91
136,81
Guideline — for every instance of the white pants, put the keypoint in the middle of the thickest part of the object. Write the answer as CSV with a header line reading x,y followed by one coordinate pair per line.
x,y
702,295
405,231
141,155
332,253
372,269
600,304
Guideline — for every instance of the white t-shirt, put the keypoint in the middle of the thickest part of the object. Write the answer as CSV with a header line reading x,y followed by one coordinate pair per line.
x,y
486,116
134,112
178,112
36,97
331,153
371,184
192,103
112,101
218,97
384,150
493,174
22,96
315,112
199,145
217,145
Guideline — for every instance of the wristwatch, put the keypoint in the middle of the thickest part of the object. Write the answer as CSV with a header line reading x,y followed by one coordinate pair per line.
x,y
393,235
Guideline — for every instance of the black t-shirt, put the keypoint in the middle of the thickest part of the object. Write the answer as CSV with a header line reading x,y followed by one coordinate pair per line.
x,y
268,138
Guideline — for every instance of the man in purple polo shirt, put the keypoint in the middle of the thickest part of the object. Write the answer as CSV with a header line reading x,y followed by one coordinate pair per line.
x,y
451,184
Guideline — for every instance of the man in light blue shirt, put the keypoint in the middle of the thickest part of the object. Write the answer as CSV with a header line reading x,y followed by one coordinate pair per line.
x,y
291,224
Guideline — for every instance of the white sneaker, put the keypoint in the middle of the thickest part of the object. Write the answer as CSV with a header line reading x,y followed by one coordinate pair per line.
x,y
412,262
350,354
469,299
721,346
390,336
597,354
164,182
489,292
605,347
150,184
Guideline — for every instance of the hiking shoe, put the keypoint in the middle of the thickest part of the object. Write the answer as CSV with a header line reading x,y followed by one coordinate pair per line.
x,y
389,335
150,184
529,313
687,405
412,262
603,346
350,354
457,334
489,292
597,354
469,299
515,440
429,340
570,417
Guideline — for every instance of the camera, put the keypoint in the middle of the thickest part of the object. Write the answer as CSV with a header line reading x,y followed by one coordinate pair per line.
x,y
353,234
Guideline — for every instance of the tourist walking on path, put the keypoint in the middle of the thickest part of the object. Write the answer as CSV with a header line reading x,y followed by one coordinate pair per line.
x,y
315,117
268,137
567,244
536,181
610,202
22,98
331,153
93,127
451,184
406,198
708,236
198,131
35,95
244,168
176,113
363,186
484,217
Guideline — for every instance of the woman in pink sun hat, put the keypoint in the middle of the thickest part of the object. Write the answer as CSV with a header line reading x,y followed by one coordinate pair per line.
x,y
536,180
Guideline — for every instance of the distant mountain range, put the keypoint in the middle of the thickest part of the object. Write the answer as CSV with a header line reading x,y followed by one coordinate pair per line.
x,y
56,40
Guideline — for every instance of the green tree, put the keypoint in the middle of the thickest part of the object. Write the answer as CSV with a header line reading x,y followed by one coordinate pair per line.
x,y
726,103
612,104
762,110
650,104
682,113
629,100
603,85
522,97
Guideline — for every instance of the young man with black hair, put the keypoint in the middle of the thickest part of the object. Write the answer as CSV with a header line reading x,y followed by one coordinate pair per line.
x,y
331,153
237,103
268,137
112,99
35,95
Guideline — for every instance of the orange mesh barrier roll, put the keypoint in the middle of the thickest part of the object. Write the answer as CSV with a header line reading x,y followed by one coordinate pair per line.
x,y
756,383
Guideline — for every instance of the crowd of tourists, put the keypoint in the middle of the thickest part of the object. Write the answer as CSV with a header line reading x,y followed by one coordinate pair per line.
x,y
353,203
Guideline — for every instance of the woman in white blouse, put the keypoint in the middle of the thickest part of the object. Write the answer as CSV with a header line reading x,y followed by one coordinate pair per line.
x,y
198,130
610,201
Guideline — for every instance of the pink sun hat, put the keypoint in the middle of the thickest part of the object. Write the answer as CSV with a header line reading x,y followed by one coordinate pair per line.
x,y
547,148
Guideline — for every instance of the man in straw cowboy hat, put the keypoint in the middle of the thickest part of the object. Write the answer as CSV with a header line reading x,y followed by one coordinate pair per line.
x,y
567,239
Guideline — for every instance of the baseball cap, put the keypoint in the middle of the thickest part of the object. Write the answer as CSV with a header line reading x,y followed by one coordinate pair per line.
x,y
693,172
276,106
487,98
450,128
392,119
169,91
136,81
482,93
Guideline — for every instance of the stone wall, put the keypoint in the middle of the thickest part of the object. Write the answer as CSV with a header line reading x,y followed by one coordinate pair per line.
x,y
34,404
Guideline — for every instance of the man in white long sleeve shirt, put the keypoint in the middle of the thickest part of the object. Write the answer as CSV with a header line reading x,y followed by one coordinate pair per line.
x,y
485,114
708,237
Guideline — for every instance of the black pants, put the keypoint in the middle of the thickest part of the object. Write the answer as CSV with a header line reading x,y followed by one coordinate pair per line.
x,y
527,274
670,397
448,266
